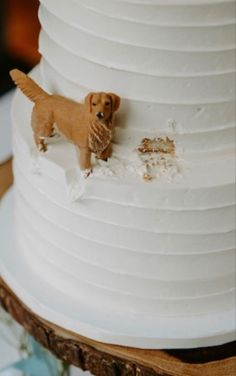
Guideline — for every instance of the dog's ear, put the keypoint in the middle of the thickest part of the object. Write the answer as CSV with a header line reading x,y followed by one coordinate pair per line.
x,y
115,101
88,101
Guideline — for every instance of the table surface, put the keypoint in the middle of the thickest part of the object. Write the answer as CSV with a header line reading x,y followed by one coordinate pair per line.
x,y
103,359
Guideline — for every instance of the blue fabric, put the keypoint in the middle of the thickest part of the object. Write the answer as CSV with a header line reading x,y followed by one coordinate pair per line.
x,y
38,363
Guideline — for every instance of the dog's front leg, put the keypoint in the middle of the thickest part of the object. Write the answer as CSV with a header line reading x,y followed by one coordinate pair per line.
x,y
105,154
85,161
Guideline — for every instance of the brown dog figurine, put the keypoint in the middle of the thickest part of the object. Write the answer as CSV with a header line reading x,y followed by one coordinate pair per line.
x,y
88,125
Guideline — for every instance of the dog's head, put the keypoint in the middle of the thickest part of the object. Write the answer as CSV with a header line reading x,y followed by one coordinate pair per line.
x,y
101,106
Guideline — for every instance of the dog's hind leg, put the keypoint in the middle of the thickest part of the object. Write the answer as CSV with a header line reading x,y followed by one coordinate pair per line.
x,y
42,126
40,143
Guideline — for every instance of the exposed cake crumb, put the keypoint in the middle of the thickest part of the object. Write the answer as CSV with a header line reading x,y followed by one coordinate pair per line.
x,y
147,177
157,145
158,157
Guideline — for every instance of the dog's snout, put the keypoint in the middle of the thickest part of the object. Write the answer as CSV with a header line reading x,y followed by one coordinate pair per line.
x,y
100,115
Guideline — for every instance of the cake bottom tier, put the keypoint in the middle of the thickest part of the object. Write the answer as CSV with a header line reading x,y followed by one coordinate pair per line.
x,y
92,320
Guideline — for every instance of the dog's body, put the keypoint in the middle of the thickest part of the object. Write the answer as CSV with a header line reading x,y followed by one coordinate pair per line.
x,y
88,125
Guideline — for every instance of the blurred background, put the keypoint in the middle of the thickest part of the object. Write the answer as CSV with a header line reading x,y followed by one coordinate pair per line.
x,y
19,30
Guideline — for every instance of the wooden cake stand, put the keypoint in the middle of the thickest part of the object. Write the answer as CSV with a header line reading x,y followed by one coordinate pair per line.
x,y
109,360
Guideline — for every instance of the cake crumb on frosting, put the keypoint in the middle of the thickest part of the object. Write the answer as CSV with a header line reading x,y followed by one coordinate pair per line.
x,y
147,177
158,157
157,145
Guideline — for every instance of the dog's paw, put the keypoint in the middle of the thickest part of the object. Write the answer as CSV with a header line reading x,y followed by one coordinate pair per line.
x,y
42,148
86,173
102,158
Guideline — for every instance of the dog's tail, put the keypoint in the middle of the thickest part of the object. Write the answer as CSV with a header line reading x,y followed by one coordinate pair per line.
x,y
27,85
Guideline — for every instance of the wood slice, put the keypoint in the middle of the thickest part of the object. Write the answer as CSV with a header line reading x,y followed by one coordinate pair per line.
x,y
110,360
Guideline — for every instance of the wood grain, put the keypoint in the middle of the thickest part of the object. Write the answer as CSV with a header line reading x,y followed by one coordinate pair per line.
x,y
109,360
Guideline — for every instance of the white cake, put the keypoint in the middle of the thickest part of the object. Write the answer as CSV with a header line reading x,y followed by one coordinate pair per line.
x,y
114,257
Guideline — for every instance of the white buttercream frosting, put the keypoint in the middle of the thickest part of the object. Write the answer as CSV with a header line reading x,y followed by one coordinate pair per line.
x,y
164,248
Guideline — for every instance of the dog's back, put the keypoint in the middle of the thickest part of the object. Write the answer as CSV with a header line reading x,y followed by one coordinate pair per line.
x,y
71,118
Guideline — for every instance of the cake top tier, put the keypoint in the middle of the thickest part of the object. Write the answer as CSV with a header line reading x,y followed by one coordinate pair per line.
x,y
172,62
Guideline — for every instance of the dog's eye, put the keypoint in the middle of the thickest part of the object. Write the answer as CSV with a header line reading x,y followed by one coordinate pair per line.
x,y
94,104
107,103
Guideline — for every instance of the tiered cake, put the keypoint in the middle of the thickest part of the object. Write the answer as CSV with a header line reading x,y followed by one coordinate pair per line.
x,y
116,257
